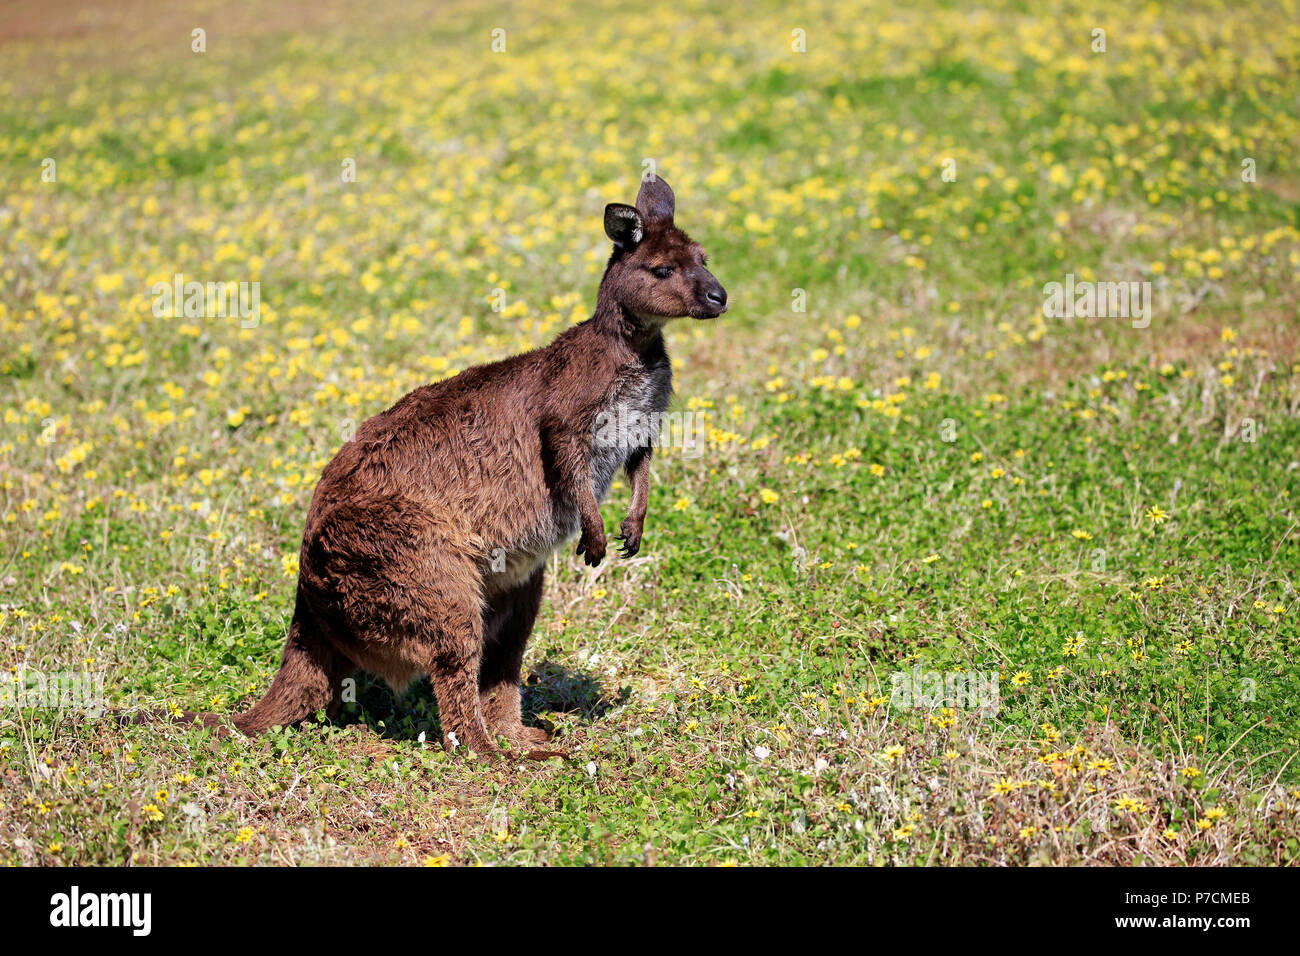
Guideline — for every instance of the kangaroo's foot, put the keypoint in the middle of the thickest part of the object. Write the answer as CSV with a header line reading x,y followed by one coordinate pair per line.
x,y
501,713
534,742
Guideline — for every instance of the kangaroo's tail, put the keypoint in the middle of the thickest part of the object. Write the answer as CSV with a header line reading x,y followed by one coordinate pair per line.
x,y
308,679
176,717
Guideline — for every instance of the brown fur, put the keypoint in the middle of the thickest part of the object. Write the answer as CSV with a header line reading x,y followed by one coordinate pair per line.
x,y
427,535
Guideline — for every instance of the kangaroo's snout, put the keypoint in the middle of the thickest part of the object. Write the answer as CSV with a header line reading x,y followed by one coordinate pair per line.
x,y
715,299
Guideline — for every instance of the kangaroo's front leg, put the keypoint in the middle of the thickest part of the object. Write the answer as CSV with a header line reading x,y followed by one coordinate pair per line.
x,y
572,457
592,542
638,472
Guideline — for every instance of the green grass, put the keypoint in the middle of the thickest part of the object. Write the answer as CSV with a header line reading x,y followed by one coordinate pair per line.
x,y
918,471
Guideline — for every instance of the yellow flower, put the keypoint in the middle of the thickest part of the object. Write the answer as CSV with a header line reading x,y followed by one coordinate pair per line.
x,y
769,496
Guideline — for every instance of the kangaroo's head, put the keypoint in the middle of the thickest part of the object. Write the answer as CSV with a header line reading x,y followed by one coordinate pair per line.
x,y
657,272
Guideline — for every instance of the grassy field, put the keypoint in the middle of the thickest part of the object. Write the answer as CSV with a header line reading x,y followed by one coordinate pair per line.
x,y
908,465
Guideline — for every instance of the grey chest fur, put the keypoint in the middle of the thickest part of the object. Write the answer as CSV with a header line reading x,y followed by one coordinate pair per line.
x,y
630,421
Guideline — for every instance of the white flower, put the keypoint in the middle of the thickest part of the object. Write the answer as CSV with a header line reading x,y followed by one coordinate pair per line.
x,y
761,752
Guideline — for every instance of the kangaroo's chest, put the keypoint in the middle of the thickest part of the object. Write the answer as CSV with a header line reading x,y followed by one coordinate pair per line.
x,y
631,419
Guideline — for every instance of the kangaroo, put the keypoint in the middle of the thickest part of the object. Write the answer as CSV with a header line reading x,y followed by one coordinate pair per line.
x,y
427,536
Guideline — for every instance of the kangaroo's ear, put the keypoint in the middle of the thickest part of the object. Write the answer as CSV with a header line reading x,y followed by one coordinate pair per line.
x,y
656,200
623,224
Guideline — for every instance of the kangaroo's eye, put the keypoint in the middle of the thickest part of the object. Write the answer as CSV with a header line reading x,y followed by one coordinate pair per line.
x,y
661,272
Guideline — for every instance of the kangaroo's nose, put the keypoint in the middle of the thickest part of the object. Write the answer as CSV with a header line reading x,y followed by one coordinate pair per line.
x,y
716,296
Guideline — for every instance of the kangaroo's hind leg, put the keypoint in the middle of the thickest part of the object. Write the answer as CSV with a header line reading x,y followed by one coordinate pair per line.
x,y
507,623
408,591
450,648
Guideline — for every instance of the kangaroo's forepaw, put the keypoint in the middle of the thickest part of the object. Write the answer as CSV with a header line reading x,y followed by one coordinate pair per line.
x,y
592,548
630,535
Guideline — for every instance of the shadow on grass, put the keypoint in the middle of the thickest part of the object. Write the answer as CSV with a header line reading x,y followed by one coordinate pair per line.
x,y
549,688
